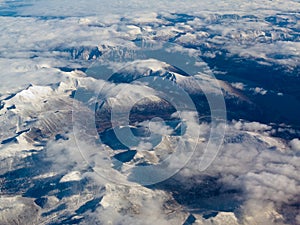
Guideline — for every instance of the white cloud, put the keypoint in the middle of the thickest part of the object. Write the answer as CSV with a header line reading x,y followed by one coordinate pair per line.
x,y
238,85
259,90
96,7
295,144
251,126
267,176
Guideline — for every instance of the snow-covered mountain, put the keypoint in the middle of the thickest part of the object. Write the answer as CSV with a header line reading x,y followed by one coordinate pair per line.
x,y
102,122
42,168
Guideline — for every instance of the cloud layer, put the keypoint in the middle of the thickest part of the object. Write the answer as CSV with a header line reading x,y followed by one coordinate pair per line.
x,y
47,46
